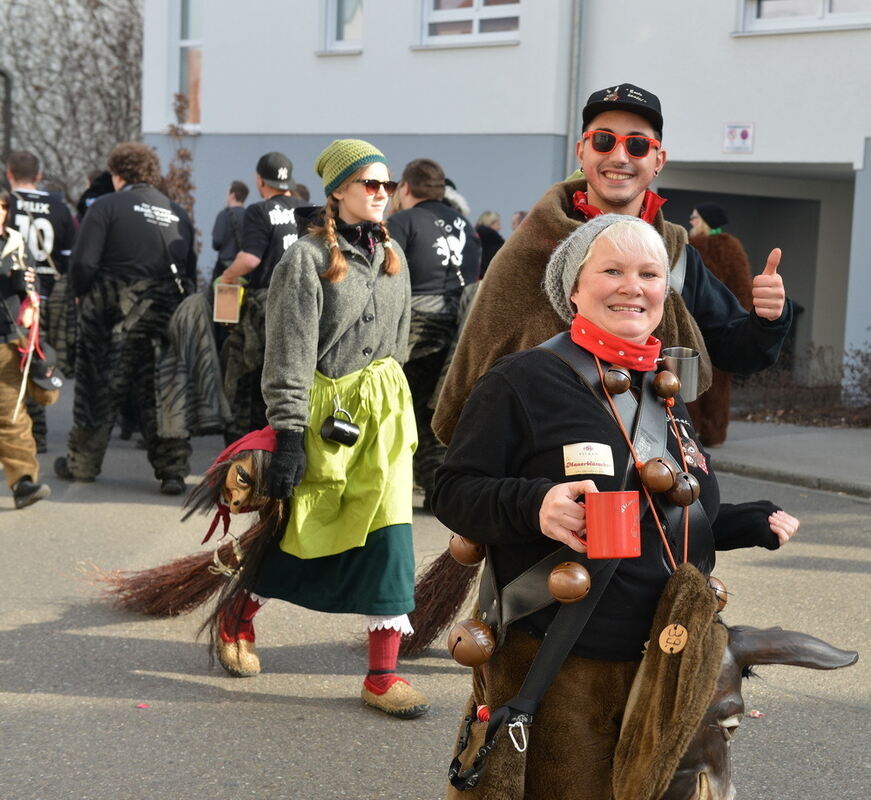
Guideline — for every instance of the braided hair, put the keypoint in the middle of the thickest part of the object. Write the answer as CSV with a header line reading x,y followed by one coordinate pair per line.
x,y
338,265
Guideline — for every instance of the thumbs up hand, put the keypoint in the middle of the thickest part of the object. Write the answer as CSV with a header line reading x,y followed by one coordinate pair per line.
x,y
769,295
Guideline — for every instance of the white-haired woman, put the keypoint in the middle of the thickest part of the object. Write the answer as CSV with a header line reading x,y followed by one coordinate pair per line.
x,y
537,434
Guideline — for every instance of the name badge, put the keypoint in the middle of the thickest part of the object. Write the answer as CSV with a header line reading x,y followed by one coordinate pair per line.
x,y
588,458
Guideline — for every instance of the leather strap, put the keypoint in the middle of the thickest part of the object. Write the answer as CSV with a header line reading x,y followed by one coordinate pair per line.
x,y
678,273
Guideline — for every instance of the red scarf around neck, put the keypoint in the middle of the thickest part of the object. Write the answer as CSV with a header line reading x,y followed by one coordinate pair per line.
x,y
649,206
613,349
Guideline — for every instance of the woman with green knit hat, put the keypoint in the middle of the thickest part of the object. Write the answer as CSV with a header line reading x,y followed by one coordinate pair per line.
x,y
337,320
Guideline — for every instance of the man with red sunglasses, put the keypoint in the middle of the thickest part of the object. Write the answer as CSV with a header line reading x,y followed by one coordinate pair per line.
x,y
620,152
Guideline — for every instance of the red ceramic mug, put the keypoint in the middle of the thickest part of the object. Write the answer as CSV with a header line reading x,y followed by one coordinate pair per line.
x,y
613,524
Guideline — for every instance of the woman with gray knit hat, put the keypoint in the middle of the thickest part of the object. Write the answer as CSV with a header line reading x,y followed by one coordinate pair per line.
x,y
584,413
337,319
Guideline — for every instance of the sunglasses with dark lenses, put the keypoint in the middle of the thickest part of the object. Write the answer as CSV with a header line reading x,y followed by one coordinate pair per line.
x,y
372,186
636,145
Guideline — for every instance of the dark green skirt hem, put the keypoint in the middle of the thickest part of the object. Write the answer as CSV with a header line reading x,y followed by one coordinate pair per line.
x,y
376,579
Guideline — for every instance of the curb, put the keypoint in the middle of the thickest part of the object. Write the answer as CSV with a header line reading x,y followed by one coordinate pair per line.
x,y
793,479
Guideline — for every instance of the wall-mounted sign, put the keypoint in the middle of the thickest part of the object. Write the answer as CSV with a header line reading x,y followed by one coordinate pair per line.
x,y
738,138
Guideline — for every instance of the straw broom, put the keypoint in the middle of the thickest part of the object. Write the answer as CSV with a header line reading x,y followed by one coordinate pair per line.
x,y
179,586
439,594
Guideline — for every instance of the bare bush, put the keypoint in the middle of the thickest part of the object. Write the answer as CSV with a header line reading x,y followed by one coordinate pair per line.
x,y
179,185
77,81
857,376
839,397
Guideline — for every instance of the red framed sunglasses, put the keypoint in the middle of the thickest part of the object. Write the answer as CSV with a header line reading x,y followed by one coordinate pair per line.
x,y
636,145
372,186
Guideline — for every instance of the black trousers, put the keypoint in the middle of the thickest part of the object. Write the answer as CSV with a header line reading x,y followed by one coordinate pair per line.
x,y
121,331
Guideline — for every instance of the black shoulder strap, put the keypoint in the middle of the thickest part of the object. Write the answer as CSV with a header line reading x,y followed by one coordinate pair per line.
x,y
145,190
237,228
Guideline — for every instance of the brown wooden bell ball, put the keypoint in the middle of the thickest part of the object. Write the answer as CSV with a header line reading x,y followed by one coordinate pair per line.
x,y
465,551
719,590
617,380
686,490
658,475
471,643
666,384
569,582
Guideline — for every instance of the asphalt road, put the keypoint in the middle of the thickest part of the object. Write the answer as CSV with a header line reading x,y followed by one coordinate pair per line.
x,y
74,670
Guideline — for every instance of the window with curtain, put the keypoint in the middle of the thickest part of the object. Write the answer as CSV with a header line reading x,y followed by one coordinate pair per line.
x,y
190,55
780,15
473,21
344,24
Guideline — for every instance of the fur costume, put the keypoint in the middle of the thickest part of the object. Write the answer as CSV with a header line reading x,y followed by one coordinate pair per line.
x,y
562,757
725,257
671,692
512,313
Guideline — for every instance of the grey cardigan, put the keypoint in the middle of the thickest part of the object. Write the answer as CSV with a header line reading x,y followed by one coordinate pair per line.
x,y
334,328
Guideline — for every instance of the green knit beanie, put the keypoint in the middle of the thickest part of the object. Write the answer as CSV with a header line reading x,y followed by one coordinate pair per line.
x,y
343,158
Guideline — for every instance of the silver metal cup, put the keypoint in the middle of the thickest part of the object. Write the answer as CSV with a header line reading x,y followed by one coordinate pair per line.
x,y
683,362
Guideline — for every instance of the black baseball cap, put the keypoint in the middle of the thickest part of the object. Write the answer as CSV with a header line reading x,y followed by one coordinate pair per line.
x,y
44,372
276,170
625,97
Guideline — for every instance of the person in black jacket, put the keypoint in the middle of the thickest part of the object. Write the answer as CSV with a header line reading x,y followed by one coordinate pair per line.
x,y
227,230
444,256
268,229
533,440
132,264
487,226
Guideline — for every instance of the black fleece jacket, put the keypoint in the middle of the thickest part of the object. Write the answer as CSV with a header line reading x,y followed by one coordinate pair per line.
x,y
507,453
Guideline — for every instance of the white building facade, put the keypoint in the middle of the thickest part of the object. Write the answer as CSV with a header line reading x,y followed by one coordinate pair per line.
x,y
765,105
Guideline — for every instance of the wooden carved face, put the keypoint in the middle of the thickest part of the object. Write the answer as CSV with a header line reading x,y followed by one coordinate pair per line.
x,y
238,492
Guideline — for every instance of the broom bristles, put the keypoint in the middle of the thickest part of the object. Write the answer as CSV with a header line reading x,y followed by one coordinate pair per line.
x,y
439,594
171,589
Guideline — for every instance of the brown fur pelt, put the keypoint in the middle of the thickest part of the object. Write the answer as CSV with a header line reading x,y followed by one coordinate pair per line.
x,y
439,594
725,257
671,691
711,412
511,311
572,736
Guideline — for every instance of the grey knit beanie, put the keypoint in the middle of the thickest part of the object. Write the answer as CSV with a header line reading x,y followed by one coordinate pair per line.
x,y
564,264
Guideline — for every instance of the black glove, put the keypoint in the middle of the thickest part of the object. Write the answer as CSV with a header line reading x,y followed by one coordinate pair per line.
x,y
287,466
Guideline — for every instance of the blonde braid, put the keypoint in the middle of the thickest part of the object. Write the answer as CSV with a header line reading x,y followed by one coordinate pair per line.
x,y
338,266
392,264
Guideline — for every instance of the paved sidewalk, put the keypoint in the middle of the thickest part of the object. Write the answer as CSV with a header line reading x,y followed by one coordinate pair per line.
x,y
833,459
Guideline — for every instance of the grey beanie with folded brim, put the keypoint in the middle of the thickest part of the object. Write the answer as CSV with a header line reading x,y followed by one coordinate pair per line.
x,y
565,262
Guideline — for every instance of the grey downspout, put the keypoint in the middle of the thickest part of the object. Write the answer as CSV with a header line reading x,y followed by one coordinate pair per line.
x,y
573,122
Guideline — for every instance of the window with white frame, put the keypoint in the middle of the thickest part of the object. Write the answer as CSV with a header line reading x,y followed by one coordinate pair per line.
x,y
785,15
473,21
190,55
344,24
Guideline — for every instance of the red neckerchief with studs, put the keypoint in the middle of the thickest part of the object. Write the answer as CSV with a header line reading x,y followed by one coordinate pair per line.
x,y
649,206
614,350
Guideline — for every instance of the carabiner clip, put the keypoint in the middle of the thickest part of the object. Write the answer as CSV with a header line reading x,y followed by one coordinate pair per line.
x,y
520,746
